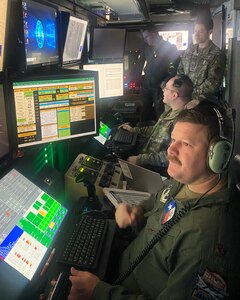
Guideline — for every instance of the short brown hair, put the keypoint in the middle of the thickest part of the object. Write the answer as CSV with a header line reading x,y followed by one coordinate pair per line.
x,y
184,84
206,21
205,114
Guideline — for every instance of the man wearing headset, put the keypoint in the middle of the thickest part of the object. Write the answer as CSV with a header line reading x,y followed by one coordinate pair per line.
x,y
152,153
190,243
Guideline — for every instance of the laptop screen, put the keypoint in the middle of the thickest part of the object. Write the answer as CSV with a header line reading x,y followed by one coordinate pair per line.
x,y
30,218
104,133
141,179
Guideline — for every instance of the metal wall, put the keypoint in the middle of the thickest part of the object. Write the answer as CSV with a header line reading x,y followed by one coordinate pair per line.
x,y
234,85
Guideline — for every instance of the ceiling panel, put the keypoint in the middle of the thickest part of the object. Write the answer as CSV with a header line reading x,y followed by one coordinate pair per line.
x,y
142,10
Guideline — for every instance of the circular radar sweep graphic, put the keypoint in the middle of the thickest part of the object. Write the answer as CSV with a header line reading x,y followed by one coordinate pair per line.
x,y
39,34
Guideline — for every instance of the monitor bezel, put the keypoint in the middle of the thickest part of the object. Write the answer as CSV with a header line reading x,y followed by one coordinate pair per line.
x,y
92,42
42,64
60,74
7,159
4,47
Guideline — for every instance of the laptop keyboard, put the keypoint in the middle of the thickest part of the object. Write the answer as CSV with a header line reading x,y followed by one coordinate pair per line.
x,y
123,136
85,244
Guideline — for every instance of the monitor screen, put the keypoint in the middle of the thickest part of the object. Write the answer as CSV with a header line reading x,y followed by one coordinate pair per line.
x,y
110,78
177,37
3,28
104,133
40,33
107,43
56,107
30,219
73,46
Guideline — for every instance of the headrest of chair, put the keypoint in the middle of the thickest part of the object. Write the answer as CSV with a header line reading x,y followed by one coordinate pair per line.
x,y
234,171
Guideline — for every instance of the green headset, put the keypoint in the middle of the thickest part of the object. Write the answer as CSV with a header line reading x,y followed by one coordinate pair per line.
x,y
221,148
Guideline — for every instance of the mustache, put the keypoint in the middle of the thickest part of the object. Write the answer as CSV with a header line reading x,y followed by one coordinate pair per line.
x,y
174,159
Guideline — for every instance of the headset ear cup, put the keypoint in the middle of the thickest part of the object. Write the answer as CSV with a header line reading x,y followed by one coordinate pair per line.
x,y
219,155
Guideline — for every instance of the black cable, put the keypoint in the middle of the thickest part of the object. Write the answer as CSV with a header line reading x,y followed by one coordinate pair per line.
x,y
158,237
151,244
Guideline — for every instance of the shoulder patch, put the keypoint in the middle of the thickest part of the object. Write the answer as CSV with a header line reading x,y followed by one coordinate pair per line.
x,y
169,211
210,286
165,194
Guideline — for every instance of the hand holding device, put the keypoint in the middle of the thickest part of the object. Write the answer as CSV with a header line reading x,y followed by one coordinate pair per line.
x,y
83,284
128,215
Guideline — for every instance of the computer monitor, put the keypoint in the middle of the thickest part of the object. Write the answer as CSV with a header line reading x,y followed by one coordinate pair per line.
x,y
110,78
107,43
30,221
4,141
40,33
50,108
3,28
104,133
176,37
6,149
73,35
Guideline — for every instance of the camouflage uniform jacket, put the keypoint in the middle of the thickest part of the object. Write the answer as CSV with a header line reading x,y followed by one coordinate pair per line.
x,y
205,67
154,151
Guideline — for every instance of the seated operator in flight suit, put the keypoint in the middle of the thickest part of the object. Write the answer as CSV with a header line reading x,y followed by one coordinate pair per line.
x,y
190,244
152,154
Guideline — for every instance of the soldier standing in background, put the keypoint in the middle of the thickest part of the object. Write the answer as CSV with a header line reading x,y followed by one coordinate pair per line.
x,y
203,62
154,61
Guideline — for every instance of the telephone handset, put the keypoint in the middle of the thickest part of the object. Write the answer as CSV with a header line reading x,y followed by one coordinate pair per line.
x,y
151,244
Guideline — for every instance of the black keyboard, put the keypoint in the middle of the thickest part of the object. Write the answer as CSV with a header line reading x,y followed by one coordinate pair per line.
x,y
85,244
123,136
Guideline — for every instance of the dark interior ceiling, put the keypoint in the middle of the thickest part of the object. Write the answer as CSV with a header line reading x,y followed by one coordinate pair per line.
x,y
144,10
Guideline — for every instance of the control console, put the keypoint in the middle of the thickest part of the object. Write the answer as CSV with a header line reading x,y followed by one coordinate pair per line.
x,y
88,175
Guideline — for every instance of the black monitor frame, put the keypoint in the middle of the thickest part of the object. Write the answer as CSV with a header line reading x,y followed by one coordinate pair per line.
x,y
16,57
112,46
7,157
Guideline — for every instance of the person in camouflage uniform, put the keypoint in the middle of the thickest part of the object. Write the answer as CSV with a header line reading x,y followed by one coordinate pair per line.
x,y
203,62
177,92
